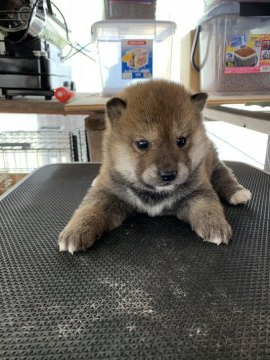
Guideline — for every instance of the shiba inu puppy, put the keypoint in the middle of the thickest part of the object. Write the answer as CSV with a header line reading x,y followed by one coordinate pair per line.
x,y
157,160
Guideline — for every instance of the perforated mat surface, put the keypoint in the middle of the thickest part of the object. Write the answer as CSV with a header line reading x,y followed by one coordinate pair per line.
x,y
150,289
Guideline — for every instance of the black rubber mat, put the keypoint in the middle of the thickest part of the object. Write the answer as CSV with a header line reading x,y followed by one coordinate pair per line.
x,y
150,289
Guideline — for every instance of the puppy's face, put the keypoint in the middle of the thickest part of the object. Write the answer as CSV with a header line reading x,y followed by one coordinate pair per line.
x,y
155,137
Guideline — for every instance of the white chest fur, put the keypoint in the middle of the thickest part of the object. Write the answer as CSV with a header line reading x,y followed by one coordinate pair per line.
x,y
151,210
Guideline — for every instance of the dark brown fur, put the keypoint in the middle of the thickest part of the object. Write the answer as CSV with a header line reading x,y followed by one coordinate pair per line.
x,y
166,178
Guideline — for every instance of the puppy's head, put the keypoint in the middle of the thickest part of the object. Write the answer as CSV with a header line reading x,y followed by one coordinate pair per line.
x,y
154,135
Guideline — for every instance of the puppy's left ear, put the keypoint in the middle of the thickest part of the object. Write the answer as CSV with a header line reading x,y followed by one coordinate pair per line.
x,y
199,99
115,107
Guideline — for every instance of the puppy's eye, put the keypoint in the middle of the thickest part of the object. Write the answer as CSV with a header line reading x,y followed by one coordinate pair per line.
x,y
181,141
142,144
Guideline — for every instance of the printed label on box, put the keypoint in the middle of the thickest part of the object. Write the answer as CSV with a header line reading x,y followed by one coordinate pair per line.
x,y
137,59
247,54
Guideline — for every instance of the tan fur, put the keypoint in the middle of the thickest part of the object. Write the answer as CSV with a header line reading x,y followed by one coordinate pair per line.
x,y
164,178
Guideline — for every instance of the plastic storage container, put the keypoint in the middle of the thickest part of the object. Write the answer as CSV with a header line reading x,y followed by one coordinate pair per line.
x,y
132,50
234,52
208,4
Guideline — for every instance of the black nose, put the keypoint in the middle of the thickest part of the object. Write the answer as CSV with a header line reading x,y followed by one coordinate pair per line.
x,y
167,175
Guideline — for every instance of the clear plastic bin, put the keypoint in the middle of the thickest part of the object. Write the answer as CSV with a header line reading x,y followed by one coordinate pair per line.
x,y
132,50
208,4
234,52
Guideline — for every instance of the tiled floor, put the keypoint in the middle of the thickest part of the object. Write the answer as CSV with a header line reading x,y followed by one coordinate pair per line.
x,y
237,143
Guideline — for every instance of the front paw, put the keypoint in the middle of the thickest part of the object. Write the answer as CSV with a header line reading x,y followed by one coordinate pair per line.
x,y
75,238
241,196
214,229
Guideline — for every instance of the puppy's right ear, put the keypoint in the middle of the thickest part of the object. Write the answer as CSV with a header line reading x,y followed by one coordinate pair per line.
x,y
115,108
199,99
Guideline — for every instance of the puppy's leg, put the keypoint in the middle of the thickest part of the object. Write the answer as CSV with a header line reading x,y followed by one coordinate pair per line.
x,y
100,211
205,214
226,185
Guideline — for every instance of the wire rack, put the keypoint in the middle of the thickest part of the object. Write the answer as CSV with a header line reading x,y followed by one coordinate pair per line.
x,y
25,151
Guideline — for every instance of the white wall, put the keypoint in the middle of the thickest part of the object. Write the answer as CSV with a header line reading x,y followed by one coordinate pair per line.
x,y
80,15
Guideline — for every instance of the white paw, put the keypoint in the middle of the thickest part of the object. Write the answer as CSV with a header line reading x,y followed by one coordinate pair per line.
x,y
221,238
240,197
217,240
94,182
62,246
70,247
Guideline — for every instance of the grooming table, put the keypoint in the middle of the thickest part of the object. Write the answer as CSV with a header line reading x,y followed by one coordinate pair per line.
x,y
150,289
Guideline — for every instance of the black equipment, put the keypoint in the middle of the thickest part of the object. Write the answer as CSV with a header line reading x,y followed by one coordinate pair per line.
x,y
31,43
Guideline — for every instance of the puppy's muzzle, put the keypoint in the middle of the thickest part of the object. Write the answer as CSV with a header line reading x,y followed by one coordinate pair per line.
x,y
167,175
